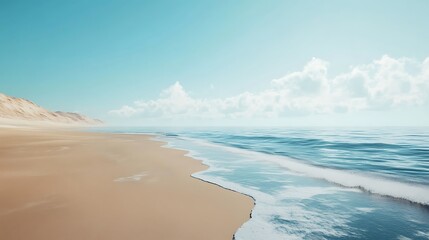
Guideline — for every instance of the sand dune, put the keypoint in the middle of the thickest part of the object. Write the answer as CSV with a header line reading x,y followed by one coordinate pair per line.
x,y
18,111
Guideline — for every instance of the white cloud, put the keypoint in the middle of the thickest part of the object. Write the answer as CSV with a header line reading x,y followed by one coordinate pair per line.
x,y
385,83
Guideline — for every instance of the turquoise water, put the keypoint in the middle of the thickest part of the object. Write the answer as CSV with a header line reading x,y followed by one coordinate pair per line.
x,y
318,183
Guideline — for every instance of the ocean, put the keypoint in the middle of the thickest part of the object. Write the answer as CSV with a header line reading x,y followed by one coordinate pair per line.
x,y
317,183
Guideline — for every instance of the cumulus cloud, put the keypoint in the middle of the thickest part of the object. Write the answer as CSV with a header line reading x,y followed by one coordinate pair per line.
x,y
385,83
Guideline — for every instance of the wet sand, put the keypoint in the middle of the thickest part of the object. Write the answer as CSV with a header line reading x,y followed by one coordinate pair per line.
x,y
57,184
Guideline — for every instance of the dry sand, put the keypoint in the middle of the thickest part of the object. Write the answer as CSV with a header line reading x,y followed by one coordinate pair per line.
x,y
71,185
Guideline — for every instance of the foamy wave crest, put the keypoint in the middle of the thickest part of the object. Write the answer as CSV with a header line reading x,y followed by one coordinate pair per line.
x,y
368,182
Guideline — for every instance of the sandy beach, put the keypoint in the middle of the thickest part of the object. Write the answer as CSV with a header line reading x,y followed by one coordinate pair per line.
x,y
76,185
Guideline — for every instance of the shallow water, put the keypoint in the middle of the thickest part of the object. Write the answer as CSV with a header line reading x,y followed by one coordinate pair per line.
x,y
318,183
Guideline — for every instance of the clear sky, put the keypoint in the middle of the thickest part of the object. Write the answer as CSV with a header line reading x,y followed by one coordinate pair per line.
x,y
207,62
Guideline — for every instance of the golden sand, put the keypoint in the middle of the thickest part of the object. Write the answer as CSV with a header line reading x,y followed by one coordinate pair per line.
x,y
73,185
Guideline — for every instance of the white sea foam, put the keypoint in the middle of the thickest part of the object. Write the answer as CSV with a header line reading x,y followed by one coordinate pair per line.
x,y
268,207
366,210
403,238
272,218
261,225
368,182
422,234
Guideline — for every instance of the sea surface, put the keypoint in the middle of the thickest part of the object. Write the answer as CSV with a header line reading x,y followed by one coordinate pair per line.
x,y
317,183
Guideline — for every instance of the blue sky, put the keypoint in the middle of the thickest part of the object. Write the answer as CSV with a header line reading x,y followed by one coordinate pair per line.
x,y
97,57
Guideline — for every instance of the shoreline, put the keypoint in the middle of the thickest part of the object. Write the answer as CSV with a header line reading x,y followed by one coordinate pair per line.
x,y
334,176
189,154
61,184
